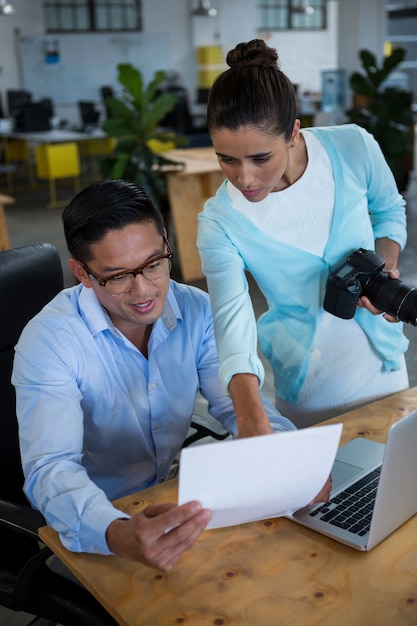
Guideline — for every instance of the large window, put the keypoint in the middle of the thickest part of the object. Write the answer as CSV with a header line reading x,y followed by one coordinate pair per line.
x,y
291,14
92,15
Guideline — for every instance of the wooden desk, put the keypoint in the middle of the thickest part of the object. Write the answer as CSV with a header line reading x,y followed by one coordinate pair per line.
x,y
188,190
55,135
4,233
265,573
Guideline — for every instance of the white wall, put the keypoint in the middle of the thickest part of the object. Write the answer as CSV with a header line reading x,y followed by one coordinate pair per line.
x,y
28,20
361,24
303,55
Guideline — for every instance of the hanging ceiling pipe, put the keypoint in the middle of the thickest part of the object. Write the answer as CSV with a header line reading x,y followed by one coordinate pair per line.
x,y
304,8
204,9
6,8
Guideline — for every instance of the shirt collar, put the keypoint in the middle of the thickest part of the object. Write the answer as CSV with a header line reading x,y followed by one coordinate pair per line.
x,y
171,312
93,313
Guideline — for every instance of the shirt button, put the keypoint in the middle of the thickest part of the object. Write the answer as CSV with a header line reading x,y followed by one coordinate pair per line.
x,y
153,386
158,427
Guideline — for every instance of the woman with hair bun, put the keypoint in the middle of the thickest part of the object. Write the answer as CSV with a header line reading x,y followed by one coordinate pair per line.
x,y
295,204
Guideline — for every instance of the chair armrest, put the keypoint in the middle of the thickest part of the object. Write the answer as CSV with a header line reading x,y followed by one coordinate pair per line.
x,y
21,518
202,431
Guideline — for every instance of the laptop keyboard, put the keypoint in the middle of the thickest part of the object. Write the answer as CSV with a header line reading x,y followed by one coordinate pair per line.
x,y
352,508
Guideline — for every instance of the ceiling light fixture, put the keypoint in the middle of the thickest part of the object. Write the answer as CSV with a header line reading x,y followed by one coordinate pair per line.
x,y
6,8
204,9
304,8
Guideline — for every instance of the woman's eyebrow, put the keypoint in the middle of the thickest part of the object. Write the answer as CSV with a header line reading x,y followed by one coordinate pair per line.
x,y
247,156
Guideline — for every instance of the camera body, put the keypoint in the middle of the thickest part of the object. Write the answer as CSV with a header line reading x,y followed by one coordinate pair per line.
x,y
361,275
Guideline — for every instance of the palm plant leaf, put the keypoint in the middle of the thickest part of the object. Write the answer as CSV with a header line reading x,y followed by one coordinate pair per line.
x,y
134,120
384,111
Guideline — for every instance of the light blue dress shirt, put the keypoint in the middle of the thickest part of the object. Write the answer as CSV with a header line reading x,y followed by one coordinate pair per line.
x,y
98,420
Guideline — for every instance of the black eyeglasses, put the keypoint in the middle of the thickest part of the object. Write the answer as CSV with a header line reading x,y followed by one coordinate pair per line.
x,y
122,282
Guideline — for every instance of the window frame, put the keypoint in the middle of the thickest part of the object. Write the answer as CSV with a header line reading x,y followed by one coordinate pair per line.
x,y
292,17
86,16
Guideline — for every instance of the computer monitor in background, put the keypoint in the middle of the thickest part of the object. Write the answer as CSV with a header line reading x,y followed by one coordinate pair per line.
x,y
16,98
32,116
88,113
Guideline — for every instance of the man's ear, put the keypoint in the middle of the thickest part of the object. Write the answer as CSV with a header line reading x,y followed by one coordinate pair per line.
x,y
79,272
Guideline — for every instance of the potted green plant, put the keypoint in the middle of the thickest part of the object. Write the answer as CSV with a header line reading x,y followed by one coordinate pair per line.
x,y
385,111
133,120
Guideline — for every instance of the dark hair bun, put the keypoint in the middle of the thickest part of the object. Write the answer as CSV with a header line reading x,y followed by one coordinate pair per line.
x,y
255,52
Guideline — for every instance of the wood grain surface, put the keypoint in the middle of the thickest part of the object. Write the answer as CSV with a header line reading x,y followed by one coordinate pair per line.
x,y
266,573
4,233
188,190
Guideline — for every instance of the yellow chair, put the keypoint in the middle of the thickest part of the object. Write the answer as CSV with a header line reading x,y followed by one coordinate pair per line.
x,y
97,146
57,161
17,152
92,150
157,146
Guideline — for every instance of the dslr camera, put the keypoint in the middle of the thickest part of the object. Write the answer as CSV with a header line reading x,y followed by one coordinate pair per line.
x,y
361,275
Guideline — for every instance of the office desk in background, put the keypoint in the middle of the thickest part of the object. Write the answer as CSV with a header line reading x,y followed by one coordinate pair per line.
x,y
188,189
55,135
53,154
264,573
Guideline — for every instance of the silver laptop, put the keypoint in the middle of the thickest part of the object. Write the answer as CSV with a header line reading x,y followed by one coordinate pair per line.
x,y
374,489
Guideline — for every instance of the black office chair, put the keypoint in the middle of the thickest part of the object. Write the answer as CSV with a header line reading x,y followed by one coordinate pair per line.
x,y
48,106
106,92
15,99
180,120
30,276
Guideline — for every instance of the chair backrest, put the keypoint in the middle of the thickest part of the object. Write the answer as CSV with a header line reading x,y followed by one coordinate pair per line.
x,y
106,92
48,105
30,276
179,119
15,99
88,113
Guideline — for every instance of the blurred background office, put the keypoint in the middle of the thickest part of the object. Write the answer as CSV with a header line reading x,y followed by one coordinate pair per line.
x,y
66,52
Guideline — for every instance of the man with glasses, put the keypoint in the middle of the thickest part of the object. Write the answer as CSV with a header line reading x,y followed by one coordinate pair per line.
x,y
106,378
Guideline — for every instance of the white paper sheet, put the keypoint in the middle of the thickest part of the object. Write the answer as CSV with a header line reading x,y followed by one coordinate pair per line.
x,y
260,477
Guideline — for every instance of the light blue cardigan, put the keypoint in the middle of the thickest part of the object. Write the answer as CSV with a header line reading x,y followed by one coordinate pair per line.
x,y
367,207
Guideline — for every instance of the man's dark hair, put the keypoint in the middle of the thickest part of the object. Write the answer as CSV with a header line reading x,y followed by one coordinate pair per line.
x,y
102,207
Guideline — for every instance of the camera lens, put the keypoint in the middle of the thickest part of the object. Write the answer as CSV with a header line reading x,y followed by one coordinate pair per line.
x,y
392,296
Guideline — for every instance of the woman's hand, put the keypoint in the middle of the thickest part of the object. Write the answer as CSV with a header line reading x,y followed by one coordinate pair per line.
x,y
366,303
324,493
